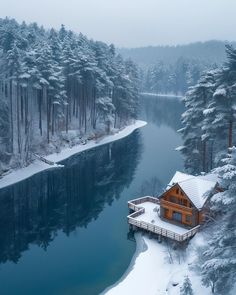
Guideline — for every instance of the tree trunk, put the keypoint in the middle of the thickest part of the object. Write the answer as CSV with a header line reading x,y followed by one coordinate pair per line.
x,y
18,118
230,133
204,157
40,96
11,111
53,118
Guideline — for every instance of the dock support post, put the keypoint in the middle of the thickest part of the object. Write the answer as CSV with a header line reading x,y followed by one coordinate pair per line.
x,y
133,227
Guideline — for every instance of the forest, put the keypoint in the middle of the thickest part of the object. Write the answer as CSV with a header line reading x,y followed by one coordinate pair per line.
x,y
56,87
209,145
164,78
172,69
212,52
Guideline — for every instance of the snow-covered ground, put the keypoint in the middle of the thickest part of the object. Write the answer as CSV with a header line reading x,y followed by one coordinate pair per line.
x,y
38,166
161,95
153,272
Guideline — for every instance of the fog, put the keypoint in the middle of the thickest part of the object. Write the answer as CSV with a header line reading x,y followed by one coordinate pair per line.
x,y
132,23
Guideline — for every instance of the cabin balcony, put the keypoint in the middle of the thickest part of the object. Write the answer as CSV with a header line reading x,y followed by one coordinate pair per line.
x,y
147,217
168,204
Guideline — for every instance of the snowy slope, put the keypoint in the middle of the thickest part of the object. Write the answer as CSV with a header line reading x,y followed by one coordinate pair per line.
x,y
153,272
37,166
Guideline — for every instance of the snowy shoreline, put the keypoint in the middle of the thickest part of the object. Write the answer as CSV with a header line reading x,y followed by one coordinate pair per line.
x,y
140,247
38,166
161,95
151,272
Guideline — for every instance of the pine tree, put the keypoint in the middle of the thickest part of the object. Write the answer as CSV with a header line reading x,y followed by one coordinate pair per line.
x,y
53,81
219,263
195,146
186,288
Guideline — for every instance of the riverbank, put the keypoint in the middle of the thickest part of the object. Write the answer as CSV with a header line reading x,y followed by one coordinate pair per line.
x,y
157,268
38,166
171,95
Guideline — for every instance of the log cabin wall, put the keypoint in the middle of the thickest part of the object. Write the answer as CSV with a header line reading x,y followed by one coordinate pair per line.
x,y
177,207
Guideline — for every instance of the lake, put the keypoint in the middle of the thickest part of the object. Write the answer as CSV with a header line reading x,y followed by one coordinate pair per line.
x,y
64,231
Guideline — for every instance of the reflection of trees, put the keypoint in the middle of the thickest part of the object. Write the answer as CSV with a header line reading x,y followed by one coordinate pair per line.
x,y
162,110
151,187
31,212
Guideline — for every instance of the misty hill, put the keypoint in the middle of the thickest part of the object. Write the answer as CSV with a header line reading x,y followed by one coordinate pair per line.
x,y
209,52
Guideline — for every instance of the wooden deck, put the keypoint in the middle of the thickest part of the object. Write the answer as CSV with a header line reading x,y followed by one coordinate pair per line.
x,y
135,205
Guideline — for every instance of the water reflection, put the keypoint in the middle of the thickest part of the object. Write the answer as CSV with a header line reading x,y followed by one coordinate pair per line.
x,y
164,113
33,211
162,110
39,212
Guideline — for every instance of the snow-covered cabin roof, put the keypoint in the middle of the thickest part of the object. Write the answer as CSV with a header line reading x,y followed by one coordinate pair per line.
x,y
178,177
197,188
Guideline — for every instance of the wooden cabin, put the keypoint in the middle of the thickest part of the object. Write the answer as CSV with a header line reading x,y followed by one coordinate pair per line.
x,y
184,201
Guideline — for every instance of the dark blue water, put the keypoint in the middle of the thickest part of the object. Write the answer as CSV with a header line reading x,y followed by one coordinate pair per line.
x,y
64,232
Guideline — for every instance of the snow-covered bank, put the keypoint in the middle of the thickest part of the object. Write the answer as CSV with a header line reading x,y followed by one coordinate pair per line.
x,y
153,274
161,95
38,166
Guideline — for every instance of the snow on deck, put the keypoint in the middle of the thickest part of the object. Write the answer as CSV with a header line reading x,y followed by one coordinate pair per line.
x,y
152,216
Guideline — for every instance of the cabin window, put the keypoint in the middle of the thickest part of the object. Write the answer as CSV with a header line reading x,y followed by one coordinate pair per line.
x,y
177,191
173,199
188,218
177,216
181,193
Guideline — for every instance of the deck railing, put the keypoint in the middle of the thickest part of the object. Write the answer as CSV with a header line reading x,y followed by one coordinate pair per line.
x,y
133,205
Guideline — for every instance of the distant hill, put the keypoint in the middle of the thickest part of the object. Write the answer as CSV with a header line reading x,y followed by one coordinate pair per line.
x,y
209,52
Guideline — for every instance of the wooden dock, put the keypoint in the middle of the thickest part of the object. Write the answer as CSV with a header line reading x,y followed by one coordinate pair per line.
x,y
135,205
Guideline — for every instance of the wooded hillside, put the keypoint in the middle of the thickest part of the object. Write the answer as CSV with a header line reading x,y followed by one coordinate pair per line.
x,y
52,82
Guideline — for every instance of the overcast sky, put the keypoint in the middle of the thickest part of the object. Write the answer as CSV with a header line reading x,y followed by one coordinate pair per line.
x,y
132,23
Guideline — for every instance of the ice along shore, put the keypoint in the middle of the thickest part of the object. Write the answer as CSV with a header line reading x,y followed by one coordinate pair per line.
x,y
38,166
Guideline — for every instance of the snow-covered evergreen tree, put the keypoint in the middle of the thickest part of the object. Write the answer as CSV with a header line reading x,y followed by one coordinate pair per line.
x,y
219,257
210,119
174,77
195,145
53,81
186,288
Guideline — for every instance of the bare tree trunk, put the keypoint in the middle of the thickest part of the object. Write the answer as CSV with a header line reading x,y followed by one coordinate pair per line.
x,y
204,156
40,97
18,118
11,117
67,117
211,156
53,118
26,110
48,113
230,133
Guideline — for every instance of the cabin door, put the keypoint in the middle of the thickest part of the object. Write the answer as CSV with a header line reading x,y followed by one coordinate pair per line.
x,y
177,216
